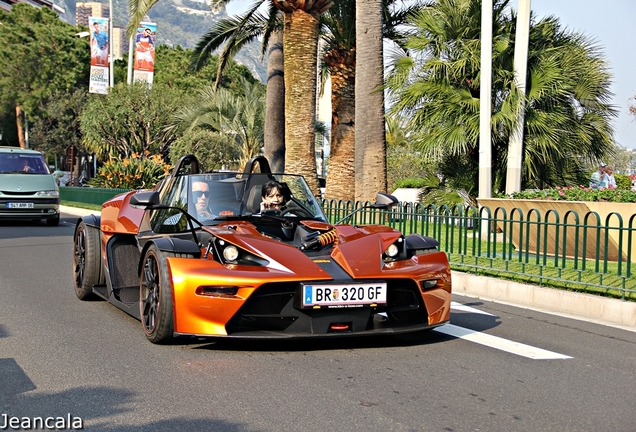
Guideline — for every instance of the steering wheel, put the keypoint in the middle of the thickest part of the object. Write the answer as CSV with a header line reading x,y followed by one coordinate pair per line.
x,y
295,208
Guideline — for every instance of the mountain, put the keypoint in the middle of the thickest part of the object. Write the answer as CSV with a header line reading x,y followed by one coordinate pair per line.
x,y
180,22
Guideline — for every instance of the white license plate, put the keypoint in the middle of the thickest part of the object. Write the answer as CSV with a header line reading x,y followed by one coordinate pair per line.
x,y
343,296
20,205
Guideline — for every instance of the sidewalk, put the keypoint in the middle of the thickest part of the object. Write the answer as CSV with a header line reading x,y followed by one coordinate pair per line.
x,y
602,310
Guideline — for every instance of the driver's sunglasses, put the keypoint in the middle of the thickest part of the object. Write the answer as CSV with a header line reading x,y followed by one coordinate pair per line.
x,y
199,194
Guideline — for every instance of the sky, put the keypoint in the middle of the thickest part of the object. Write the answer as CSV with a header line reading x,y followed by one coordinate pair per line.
x,y
609,23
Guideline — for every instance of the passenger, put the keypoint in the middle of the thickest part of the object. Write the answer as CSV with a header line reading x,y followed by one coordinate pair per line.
x,y
272,196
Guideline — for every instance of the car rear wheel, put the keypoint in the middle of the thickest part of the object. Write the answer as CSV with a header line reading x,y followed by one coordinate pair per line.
x,y
155,297
86,261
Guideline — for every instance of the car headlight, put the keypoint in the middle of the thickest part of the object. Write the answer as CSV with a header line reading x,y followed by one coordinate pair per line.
x,y
230,253
392,251
48,193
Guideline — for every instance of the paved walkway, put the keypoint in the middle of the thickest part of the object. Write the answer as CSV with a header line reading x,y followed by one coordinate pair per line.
x,y
606,311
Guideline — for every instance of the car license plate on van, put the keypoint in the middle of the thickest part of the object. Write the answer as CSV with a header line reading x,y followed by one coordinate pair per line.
x,y
20,205
344,295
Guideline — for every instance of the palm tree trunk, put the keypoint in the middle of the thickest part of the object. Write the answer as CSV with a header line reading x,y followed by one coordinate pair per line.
x,y
300,48
275,105
370,160
19,119
341,178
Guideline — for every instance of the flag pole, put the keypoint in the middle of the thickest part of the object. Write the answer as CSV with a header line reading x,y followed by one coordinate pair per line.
x,y
111,71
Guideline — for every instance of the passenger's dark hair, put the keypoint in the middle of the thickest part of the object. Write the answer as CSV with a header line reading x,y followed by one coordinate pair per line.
x,y
267,188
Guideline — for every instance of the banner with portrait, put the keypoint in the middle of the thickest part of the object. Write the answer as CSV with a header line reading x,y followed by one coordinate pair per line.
x,y
144,64
100,48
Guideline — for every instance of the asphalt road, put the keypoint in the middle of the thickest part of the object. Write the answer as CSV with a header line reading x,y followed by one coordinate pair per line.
x,y
496,368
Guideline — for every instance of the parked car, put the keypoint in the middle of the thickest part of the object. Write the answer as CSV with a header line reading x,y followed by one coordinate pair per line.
x,y
28,191
240,272
62,178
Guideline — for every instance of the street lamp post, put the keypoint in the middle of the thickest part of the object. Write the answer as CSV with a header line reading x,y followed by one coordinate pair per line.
x,y
515,147
485,109
111,70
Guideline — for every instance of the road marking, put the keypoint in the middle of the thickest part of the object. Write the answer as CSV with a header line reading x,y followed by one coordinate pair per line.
x,y
499,343
464,308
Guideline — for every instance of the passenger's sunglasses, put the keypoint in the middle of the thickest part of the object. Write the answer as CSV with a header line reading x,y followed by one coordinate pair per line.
x,y
199,194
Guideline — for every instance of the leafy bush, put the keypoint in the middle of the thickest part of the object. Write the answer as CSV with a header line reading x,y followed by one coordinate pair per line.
x,y
212,149
136,172
573,193
623,181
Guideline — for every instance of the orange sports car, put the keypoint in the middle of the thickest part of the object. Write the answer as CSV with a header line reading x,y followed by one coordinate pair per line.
x,y
208,255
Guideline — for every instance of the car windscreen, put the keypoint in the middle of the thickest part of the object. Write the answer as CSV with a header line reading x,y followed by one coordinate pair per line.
x,y
16,163
239,194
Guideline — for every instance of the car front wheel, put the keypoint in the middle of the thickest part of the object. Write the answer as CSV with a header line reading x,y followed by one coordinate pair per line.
x,y
86,260
155,297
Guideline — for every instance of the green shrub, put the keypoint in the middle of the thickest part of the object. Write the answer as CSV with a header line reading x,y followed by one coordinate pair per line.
x,y
623,181
573,193
136,172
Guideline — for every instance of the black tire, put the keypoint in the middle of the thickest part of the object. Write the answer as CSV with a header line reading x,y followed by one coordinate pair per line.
x,y
155,297
53,222
86,261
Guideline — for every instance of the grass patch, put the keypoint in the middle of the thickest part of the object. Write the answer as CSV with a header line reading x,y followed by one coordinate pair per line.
x,y
95,207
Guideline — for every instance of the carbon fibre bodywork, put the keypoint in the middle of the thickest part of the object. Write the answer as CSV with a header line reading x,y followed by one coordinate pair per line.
x,y
280,274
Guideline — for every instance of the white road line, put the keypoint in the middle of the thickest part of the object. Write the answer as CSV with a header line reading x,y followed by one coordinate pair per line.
x,y
464,308
499,343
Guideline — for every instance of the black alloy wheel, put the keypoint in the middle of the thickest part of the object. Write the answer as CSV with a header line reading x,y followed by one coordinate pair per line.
x,y
155,297
86,261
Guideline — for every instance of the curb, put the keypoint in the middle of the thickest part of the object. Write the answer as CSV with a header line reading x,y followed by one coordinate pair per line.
x,y
587,307
77,211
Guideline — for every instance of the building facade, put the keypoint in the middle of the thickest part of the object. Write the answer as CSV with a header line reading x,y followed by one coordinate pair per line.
x,y
6,5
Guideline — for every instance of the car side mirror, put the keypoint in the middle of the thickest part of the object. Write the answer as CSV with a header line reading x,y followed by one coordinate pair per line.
x,y
383,200
148,199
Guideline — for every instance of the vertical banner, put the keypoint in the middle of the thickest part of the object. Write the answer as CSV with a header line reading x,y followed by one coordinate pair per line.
x,y
145,53
100,47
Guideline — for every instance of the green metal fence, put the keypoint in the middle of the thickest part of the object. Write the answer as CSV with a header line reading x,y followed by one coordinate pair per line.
x,y
88,195
571,251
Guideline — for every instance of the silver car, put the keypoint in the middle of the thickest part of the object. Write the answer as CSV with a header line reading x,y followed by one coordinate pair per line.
x,y
28,190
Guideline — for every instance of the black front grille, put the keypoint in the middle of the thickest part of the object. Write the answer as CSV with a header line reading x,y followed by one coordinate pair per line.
x,y
271,309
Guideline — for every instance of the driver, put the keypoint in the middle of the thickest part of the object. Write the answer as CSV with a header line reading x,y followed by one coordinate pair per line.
x,y
201,196
272,196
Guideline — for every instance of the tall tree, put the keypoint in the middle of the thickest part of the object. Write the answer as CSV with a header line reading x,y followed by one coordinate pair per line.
x,y
300,50
300,42
131,119
339,37
275,104
39,54
567,114
370,153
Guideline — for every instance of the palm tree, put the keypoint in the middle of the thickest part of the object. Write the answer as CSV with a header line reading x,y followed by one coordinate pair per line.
x,y
232,34
241,117
370,144
437,86
275,104
300,42
338,54
339,57
300,49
